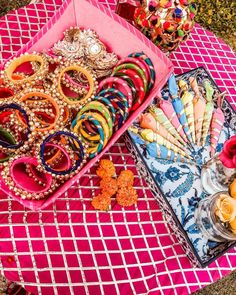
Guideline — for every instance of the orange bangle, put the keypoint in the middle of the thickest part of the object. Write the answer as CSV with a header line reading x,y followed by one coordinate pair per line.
x,y
15,63
91,81
46,97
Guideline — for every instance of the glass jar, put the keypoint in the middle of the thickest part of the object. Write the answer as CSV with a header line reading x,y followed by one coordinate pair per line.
x,y
215,176
209,223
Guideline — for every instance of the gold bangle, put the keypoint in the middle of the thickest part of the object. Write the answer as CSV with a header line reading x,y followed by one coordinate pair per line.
x,y
91,81
15,63
48,98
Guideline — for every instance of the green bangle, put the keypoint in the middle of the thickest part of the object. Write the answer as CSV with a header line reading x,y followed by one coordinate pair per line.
x,y
97,106
139,71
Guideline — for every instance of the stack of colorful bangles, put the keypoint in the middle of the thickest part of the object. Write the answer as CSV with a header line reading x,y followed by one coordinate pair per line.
x,y
54,115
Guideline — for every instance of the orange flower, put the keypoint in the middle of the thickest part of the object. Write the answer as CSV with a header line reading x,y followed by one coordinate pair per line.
x,y
126,178
126,196
101,202
106,169
109,185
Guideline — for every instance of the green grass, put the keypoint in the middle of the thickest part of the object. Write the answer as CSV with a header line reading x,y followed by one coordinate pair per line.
x,y
7,5
219,16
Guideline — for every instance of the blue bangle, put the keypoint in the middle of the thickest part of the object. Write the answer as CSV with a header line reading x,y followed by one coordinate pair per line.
x,y
109,105
94,147
76,146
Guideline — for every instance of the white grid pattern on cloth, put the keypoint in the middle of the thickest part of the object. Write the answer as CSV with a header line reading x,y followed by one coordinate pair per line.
x,y
166,282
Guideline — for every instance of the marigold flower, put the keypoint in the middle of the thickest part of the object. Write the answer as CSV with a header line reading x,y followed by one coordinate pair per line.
x,y
126,178
101,202
109,185
106,169
126,196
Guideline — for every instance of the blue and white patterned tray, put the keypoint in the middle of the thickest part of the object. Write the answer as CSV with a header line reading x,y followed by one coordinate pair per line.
x,y
180,184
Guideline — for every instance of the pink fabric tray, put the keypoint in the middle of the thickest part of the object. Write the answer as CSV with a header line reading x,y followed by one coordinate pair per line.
x,y
69,248
107,25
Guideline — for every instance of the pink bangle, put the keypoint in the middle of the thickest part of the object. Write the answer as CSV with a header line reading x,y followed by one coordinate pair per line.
x,y
73,83
30,184
122,86
139,85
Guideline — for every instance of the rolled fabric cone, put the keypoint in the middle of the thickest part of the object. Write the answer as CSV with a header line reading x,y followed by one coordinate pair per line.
x,y
147,121
217,123
150,136
209,90
199,105
170,113
187,100
206,121
159,151
208,111
178,106
159,115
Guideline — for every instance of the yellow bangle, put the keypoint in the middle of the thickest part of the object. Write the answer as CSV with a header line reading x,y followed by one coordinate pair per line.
x,y
91,81
15,63
78,129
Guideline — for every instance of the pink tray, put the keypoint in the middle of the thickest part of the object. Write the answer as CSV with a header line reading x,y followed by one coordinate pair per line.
x,y
82,13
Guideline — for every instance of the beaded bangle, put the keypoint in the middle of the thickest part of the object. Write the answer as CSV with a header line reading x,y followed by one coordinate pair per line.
x,y
147,61
9,138
122,87
91,81
138,70
20,179
68,80
54,161
99,107
12,65
78,161
23,144
27,98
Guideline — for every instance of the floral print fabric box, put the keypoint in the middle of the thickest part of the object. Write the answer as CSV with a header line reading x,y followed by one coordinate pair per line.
x,y
179,184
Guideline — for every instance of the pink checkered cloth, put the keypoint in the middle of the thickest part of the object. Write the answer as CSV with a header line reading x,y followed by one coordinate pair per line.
x,y
69,248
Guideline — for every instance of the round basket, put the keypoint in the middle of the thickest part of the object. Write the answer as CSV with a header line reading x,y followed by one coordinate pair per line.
x,y
165,22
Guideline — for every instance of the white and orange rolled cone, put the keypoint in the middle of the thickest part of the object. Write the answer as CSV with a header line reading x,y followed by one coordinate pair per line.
x,y
147,121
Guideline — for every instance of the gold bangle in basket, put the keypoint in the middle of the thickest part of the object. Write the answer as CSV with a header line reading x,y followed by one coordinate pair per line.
x,y
38,75
77,100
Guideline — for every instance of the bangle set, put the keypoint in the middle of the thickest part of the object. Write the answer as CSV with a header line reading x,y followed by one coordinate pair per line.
x,y
55,113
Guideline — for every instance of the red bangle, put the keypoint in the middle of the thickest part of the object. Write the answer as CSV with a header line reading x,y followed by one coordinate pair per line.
x,y
139,85
122,86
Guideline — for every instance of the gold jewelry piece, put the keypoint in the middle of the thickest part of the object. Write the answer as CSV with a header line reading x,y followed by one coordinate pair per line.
x,y
85,45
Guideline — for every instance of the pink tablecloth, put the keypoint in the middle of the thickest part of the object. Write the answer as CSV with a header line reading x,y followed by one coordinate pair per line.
x,y
71,249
